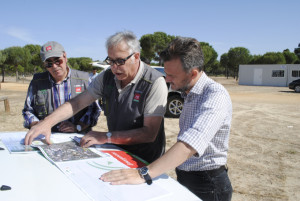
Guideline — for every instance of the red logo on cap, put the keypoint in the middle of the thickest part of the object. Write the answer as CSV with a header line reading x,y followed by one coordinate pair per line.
x,y
48,48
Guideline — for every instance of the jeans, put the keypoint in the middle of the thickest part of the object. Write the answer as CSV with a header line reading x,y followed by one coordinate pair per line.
x,y
207,185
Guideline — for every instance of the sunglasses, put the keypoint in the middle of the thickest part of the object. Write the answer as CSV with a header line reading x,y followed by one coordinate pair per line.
x,y
118,62
49,64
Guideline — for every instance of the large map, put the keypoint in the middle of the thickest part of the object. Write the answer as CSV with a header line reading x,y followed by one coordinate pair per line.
x,y
66,151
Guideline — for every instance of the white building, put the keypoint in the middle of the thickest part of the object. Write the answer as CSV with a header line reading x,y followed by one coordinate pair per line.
x,y
279,75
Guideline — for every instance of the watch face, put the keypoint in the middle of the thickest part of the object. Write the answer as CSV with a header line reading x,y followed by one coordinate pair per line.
x,y
144,173
144,170
78,127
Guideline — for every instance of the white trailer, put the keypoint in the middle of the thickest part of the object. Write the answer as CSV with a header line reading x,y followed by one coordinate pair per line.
x,y
279,75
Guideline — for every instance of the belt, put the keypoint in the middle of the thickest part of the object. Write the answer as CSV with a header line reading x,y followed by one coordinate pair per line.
x,y
211,173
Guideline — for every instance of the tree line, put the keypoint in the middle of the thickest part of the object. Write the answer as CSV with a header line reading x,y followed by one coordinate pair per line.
x,y
153,44
26,60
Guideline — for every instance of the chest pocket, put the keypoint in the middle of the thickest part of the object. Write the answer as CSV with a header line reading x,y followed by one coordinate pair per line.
x,y
40,104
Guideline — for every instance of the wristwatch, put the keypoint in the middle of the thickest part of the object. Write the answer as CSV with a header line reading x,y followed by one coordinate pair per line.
x,y
78,128
144,174
108,135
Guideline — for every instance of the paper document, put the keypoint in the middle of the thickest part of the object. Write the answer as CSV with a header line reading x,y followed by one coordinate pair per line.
x,y
14,142
85,166
123,156
86,173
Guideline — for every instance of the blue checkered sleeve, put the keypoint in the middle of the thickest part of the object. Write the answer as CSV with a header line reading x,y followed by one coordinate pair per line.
x,y
93,112
28,112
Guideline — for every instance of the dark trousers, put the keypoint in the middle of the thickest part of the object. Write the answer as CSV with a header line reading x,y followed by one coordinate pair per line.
x,y
211,185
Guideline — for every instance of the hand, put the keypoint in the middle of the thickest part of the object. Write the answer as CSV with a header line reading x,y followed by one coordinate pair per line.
x,y
92,138
40,128
67,127
33,124
123,176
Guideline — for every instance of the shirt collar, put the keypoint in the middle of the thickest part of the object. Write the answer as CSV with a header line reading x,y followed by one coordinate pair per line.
x,y
53,81
137,76
198,87
139,73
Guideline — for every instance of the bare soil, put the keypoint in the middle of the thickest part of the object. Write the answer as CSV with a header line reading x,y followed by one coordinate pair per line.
x,y
264,147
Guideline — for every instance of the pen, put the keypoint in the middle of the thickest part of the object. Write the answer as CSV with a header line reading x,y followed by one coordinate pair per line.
x,y
5,188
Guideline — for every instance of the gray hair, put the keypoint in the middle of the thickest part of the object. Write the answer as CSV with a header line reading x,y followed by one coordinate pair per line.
x,y
188,50
126,36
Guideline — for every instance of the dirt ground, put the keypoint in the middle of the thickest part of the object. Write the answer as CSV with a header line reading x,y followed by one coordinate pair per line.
x,y
264,146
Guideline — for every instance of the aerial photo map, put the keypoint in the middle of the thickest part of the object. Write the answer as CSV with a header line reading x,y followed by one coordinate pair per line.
x,y
67,151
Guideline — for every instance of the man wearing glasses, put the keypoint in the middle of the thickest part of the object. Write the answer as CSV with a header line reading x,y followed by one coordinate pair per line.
x,y
200,153
50,89
134,98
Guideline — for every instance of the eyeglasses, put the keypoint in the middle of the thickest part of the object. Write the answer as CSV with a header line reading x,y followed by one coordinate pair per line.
x,y
118,62
49,64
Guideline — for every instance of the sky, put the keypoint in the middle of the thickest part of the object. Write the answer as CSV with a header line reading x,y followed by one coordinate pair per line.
x,y
82,26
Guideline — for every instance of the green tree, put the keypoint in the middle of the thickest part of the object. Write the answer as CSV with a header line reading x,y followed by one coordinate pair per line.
x,y
35,63
297,51
273,58
290,57
85,64
72,63
20,69
76,66
224,62
147,45
153,44
17,56
80,63
237,56
256,59
2,61
217,68
210,56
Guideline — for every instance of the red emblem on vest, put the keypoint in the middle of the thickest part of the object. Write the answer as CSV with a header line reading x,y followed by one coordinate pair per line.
x,y
48,48
136,97
78,89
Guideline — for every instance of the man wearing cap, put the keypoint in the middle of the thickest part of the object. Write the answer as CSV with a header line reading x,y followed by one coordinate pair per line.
x,y
50,89
134,102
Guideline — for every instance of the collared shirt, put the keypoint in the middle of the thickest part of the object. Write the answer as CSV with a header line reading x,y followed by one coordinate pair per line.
x,y
93,76
61,94
137,77
155,102
205,125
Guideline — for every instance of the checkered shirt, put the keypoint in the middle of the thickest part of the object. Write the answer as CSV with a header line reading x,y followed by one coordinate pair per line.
x,y
61,94
205,125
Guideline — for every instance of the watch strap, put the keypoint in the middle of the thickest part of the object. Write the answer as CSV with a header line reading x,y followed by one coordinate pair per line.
x,y
144,174
148,179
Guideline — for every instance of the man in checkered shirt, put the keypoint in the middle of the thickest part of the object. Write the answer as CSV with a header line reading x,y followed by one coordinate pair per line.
x,y
200,153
